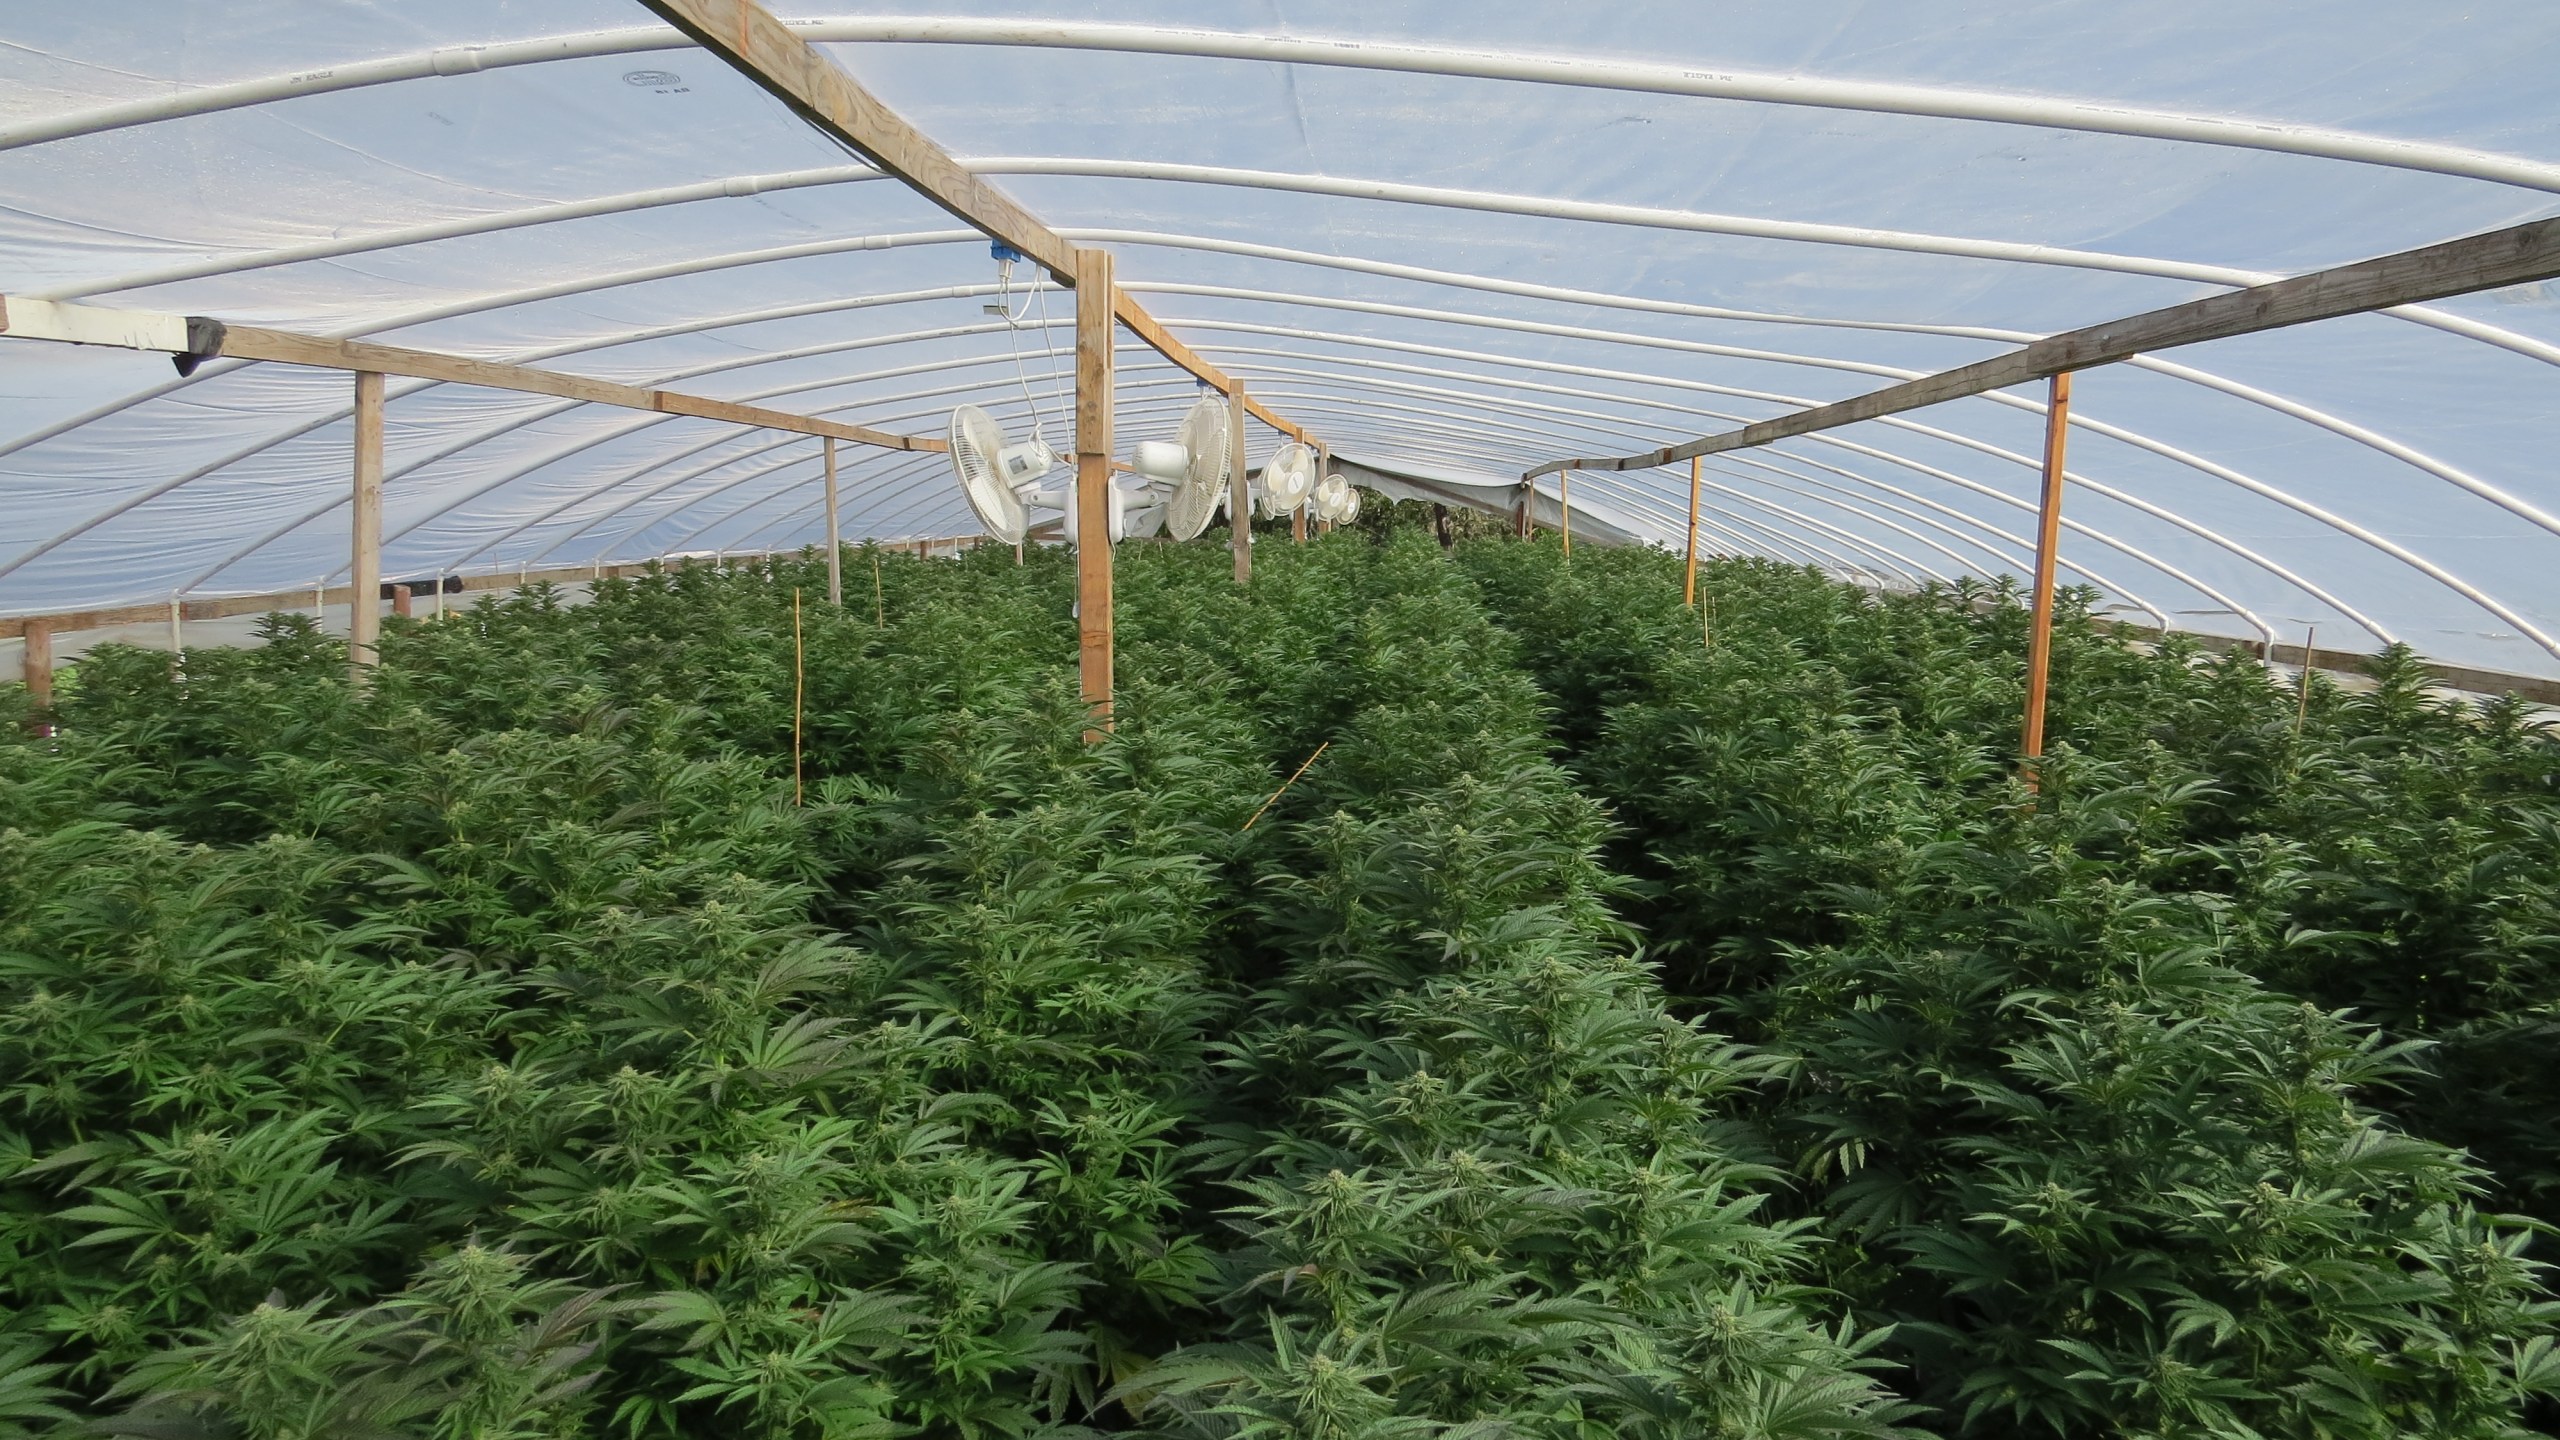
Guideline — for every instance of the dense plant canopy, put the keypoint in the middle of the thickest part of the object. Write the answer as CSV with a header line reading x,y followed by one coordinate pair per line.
x,y
1639,1021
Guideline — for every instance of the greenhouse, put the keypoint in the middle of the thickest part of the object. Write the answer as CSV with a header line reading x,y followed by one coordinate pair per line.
x,y
1505,722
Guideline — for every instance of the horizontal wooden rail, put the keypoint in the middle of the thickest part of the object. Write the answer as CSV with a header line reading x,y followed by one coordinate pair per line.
x,y
201,338
758,45
2513,256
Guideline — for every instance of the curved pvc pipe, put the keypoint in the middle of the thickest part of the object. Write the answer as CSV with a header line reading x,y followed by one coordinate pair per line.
x,y
885,242
2002,561
2079,418
557,454
1878,97
757,184
2204,533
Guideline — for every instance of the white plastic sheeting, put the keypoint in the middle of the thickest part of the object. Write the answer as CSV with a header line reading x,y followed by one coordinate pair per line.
x,y
1480,237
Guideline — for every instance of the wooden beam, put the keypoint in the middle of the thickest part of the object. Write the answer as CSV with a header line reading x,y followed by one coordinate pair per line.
x,y
2057,419
1239,490
2513,256
1094,289
1157,338
364,563
1689,594
202,338
252,343
835,534
759,46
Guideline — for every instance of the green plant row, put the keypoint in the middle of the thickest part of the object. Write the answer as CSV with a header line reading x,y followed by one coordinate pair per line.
x,y
2083,1085
564,1037
502,1051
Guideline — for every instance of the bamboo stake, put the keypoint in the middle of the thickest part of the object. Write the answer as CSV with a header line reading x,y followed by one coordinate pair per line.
x,y
835,536
1689,596
1239,496
364,610
2302,701
2057,418
1285,784
799,690
1095,294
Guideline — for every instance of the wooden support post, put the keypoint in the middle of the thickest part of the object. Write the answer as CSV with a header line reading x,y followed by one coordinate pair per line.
x,y
400,605
364,561
1094,289
835,536
38,667
2057,419
1690,593
1239,496
1564,508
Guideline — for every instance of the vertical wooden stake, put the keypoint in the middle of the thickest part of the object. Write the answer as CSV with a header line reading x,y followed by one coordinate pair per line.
x,y
38,667
2057,418
364,565
879,591
1689,596
799,689
1239,496
835,536
1094,294
401,597
1564,508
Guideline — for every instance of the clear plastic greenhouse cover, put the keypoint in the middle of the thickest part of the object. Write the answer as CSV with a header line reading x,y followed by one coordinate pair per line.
x,y
1452,240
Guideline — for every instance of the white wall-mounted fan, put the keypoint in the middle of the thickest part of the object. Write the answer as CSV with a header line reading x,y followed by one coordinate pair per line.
x,y
1288,477
1336,502
1193,465
1001,481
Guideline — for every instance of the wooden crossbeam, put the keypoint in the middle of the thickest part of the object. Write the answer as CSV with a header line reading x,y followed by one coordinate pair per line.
x,y
21,318
759,46
2513,256
1135,318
